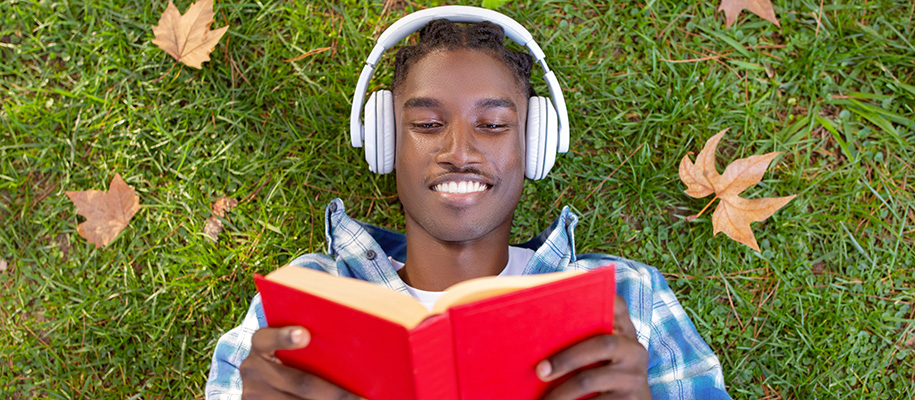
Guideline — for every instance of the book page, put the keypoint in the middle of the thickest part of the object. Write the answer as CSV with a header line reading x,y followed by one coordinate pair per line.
x,y
367,297
489,286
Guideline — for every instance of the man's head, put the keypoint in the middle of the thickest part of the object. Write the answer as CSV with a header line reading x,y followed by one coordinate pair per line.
x,y
460,106
442,35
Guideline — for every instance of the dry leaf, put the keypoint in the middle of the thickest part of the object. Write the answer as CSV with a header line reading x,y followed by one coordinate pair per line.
x,y
212,229
107,213
762,8
734,214
188,37
223,204
213,225
3,265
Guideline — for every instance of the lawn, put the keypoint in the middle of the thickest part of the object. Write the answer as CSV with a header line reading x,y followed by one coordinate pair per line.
x,y
823,311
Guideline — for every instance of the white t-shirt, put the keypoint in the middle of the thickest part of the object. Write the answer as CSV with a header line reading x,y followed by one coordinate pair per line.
x,y
517,260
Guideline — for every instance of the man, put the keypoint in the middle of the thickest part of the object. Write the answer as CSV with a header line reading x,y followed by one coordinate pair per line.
x,y
460,103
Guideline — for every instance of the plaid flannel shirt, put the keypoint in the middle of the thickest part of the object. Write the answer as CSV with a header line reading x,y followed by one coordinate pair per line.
x,y
680,364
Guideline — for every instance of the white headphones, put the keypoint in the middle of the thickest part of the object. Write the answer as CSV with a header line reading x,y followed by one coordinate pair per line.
x,y
547,127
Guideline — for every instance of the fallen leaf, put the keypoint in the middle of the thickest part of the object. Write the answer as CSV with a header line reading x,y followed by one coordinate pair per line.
x,y
212,229
223,204
213,226
734,214
107,213
188,37
762,8
3,265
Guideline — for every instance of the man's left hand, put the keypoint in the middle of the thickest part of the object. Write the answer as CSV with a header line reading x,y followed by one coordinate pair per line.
x,y
622,364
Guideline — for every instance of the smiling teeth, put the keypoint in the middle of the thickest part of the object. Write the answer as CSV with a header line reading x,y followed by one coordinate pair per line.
x,y
460,187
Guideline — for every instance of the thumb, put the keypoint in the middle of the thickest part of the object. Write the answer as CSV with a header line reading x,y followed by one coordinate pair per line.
x,y
622,322
297,337
268,340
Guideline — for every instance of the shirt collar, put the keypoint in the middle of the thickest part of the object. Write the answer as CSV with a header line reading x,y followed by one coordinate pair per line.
x,y
362,250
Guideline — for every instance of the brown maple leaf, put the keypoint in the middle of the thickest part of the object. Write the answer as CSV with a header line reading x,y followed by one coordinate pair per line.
x,y
734,214
107,213
188,37
762,8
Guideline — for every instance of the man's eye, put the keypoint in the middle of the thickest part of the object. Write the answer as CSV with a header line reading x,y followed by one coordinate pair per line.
x,y
493,127
426,126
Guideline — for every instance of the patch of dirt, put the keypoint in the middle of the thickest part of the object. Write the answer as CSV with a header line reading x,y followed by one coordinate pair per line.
x,y
910,343
631,220
5,204
727,152
41,185
63,243
673,213
818,268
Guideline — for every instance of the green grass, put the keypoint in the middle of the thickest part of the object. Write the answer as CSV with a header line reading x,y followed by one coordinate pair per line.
x,y
824,311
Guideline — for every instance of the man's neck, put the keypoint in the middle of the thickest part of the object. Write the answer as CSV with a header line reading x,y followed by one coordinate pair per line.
x,y
434,265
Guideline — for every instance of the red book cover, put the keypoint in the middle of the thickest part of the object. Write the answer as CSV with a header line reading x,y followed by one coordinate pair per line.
x,y
485,349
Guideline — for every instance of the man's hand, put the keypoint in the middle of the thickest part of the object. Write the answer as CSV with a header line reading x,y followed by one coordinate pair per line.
x,y
622,364
265,377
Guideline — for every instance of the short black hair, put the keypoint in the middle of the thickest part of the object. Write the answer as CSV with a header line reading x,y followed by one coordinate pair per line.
x,y
485,36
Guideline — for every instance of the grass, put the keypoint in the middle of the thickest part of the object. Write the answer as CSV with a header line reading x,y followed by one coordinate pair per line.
x,y
824,311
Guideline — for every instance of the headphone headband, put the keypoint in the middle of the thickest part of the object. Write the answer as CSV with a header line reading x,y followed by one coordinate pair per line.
x,y
416,21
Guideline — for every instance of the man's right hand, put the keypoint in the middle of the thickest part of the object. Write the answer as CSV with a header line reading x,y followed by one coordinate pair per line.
x,y
265,377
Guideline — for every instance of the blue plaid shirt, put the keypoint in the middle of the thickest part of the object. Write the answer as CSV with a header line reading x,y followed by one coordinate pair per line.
x,y
680,363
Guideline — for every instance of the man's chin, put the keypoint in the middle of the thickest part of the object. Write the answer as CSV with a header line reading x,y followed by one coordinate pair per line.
x,y
457,235
455,225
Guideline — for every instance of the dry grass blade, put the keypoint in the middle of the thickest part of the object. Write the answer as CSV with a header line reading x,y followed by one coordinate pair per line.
x,y
308,53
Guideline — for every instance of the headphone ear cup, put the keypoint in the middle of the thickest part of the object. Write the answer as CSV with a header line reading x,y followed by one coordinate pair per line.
x,y
379,132
535,138
542,137
386,123
371,131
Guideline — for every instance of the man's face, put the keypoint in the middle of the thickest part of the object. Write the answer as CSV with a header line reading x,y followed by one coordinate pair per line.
x,y
460,119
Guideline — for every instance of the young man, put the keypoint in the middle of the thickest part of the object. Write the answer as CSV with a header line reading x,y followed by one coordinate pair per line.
x,y
460,106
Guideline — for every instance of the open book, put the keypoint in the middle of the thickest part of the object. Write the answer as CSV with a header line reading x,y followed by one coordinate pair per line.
x,y
482,339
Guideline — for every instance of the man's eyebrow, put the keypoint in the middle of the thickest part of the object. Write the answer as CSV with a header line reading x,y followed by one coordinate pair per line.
x,y
497,103
428,102
422,102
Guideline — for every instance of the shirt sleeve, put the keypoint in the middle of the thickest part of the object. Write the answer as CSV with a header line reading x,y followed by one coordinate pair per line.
x,y
231,349
681,365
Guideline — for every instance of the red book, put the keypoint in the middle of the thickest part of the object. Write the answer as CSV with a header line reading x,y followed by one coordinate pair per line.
x,y
482,340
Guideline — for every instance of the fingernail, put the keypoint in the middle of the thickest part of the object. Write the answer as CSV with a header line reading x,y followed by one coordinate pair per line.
x,y
299,337
544,369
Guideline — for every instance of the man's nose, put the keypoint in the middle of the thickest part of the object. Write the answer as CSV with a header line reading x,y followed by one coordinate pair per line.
x,y
459,146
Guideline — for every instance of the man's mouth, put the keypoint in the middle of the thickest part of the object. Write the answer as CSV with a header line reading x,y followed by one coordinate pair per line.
x,y
460,187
